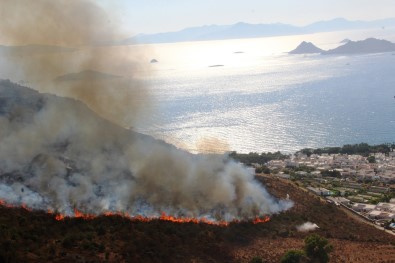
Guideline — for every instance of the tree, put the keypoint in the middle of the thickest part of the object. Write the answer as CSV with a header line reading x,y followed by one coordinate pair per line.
x,y
293,256
371,159
317,248
331,173
266,170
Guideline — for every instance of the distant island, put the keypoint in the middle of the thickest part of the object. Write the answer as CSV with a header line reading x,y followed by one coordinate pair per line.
x,y
369,45
246,30
306,48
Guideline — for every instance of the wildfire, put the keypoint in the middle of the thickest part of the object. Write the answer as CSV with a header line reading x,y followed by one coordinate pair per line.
x,y
3,203
162,217
258,220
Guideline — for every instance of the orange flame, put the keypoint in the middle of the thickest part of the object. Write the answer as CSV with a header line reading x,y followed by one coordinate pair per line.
x,y
203,220
3,203
59,217
79,214
140,218
258,220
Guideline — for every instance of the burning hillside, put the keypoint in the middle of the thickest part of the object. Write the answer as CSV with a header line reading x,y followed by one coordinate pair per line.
x,y
36,236
58,155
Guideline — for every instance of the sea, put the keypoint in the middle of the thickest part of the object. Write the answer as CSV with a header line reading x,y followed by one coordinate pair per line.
x,y
250,95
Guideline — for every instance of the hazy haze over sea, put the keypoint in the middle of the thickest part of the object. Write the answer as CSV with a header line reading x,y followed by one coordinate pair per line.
x,y
266,100
261,99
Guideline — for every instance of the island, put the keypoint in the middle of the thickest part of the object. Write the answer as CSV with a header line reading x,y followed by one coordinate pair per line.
x,y
306,48
367,46
370,45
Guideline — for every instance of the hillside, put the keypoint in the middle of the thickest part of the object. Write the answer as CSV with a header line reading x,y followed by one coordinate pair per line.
x,y
57,157
57,154
36,236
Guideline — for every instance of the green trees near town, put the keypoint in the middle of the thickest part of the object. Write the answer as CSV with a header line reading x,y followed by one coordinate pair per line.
x,y
331,173
253,157
371,159
363,149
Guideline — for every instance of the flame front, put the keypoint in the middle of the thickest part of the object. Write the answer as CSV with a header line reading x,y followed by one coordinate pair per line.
x,y
140,218
163,217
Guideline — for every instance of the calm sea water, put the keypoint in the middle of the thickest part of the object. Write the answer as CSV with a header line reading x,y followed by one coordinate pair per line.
x,y
260,98
263,99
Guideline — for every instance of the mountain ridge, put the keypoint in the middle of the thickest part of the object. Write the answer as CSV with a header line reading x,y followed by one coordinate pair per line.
x,y
246,30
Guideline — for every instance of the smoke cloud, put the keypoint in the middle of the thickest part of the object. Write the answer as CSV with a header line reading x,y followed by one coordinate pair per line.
x,y
306,227
212,145
61,40
55,153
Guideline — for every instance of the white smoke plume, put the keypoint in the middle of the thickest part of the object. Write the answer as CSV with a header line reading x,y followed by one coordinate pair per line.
x,y
55,153
306,227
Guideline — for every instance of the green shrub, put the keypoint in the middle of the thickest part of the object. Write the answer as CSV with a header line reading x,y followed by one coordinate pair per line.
x,y
293,256
317,248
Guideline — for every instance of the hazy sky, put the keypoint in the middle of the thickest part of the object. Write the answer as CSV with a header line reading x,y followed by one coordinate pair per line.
x,y
153,16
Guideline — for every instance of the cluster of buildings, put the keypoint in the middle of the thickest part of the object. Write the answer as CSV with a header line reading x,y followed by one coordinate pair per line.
x,y
381,211
347,190
353,166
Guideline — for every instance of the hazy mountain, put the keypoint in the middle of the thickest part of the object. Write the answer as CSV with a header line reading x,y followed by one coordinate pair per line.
x,y
370,45
245,30
306,48
85,75
344,41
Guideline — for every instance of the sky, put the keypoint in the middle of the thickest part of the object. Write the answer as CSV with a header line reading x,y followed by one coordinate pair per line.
x,y
155,16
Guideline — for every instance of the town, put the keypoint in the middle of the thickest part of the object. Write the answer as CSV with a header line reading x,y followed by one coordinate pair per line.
x,y
362,183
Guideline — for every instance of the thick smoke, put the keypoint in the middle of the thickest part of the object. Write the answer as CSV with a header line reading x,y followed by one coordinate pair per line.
x,y
57,44
56,154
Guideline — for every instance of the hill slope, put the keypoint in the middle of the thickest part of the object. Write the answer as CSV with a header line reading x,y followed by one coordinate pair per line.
x,y
116,239
57,154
